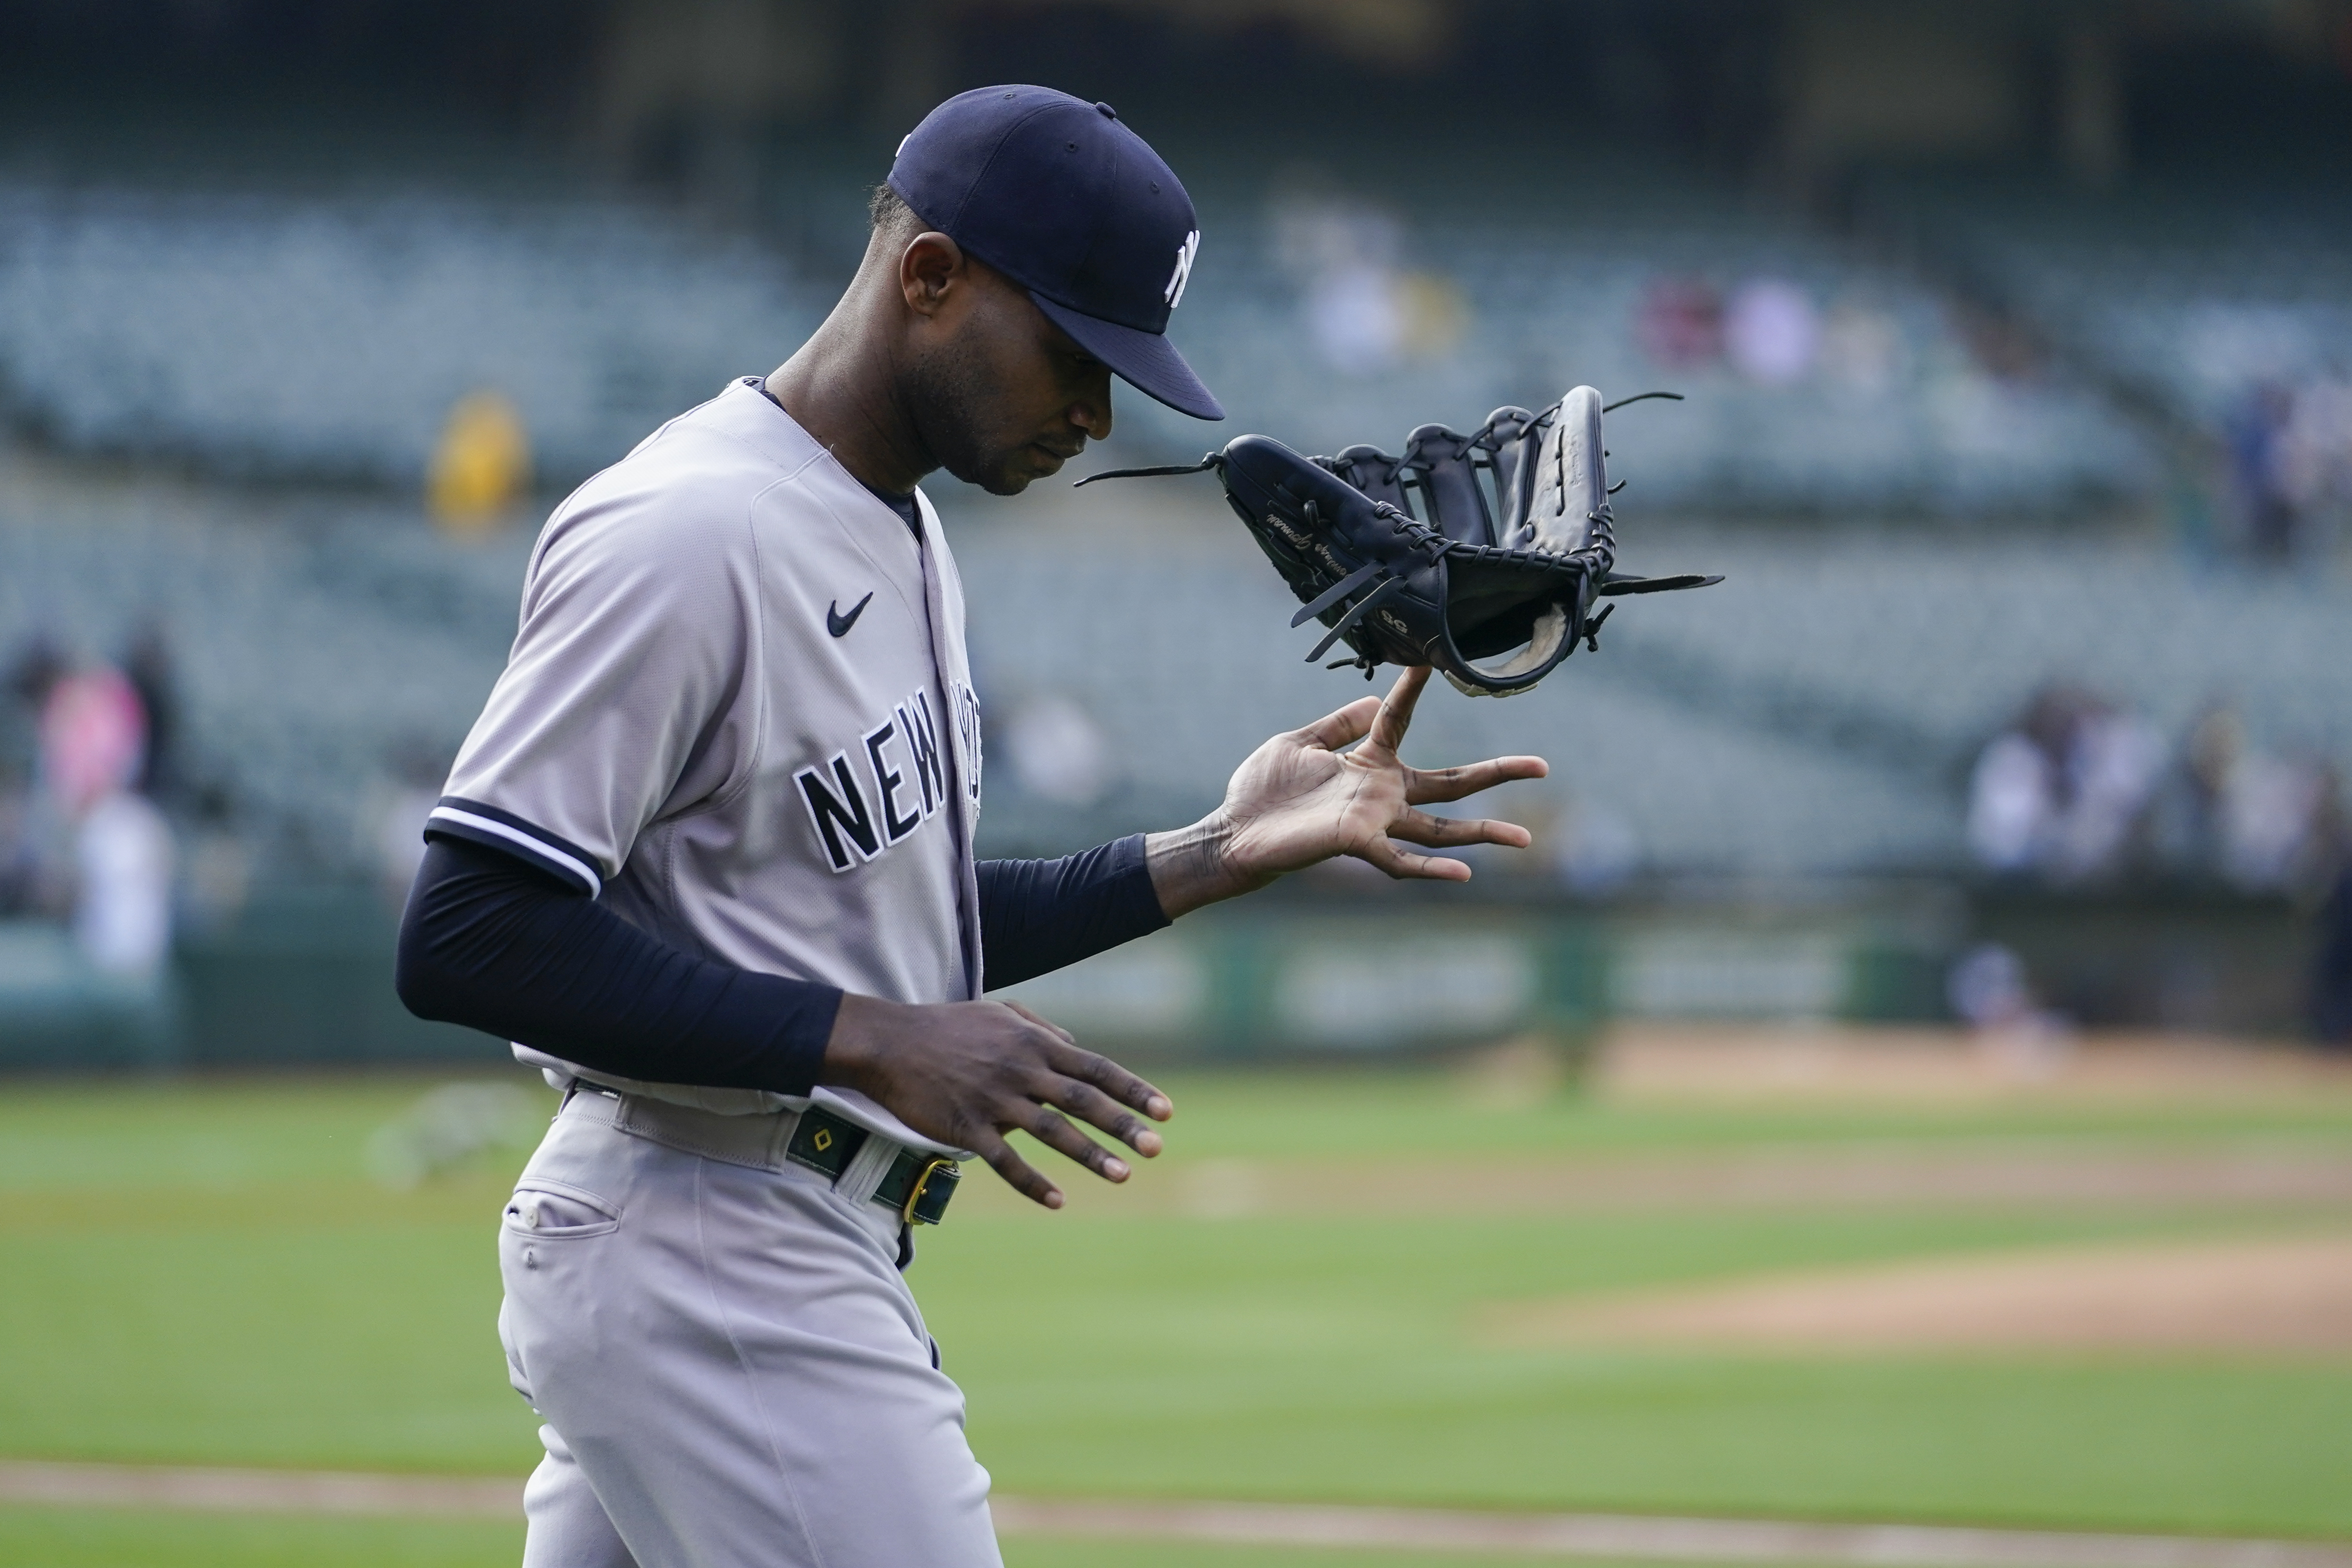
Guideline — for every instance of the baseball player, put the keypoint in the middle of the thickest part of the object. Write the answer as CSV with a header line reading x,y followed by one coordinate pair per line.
x,y
706,856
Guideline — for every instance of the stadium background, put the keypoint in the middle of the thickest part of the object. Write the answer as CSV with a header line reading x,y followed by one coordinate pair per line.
x,y
2015,343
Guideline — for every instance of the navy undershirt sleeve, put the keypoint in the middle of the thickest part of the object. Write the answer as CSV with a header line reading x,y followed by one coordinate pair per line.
x,y
1036,916
495,944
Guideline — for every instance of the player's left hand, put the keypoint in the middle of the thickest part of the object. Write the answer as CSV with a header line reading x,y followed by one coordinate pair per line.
x,y
1313,793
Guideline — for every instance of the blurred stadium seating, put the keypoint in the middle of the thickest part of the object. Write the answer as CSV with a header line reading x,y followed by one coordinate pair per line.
x,y
312,635
1553,289
1816,716
327,336
2195,287
303,334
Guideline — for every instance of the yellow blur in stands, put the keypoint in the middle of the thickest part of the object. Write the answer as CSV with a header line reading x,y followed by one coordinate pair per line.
x,y
482,465
1435,315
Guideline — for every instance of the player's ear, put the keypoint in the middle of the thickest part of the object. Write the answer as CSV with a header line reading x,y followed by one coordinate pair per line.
x,y
929,270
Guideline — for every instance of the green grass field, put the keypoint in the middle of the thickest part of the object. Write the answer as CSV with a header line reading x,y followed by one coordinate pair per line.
x,y
204,1274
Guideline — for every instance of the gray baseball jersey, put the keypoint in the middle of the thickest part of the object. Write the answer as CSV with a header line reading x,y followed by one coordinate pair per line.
x,y
739,709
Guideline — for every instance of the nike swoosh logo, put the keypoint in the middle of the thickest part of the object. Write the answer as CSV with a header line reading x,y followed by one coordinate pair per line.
x,y
838,624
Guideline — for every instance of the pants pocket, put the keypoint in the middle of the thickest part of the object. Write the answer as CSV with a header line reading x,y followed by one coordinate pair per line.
x,y
558,1211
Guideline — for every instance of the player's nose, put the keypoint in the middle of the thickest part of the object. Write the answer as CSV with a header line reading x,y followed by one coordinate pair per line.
x,y
1091,410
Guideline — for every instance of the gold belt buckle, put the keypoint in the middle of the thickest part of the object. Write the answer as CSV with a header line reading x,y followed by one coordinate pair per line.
x,y
922,1180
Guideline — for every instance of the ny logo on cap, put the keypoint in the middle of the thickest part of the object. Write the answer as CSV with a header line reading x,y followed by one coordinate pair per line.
x,y
1174,293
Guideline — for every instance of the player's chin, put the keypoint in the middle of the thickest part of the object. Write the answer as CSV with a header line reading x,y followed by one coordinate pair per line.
x,y
1002,477
1040,460
1017,469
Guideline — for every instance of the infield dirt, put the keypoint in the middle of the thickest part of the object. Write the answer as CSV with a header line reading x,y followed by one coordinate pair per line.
x,y
2289,1297
1827,1063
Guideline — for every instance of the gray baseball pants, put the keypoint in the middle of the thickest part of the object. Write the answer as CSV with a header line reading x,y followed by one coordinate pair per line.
x,y
732,1371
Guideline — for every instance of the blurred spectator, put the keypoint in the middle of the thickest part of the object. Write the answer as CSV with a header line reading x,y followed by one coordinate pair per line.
x,y
2010,803
122,902
2215,744
1999,344
1364,312
2063,794
19,865
1059,752
2314,455
1343,257
2290,462
482,465
2110,766
93,738
2266,513
1863,347
2331,989
36,667
1988,988
2278,822
147,663
2263,823
1436,316
93,749
1771,333
2185,823
1356,318
32,880
1366,318
1679,323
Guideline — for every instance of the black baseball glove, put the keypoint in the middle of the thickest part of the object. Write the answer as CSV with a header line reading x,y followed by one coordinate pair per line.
x,y
1467,547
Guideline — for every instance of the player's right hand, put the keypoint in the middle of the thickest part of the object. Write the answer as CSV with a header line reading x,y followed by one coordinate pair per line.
x,y
966,1073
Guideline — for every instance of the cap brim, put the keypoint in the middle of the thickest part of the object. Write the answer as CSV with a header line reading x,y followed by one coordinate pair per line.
x,y
1145,360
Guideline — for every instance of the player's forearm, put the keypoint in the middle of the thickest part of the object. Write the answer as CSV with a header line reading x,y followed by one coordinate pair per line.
x,y
489,943
1037,916
1196,866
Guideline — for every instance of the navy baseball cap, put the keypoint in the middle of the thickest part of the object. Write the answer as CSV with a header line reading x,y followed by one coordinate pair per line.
x,y
1059,196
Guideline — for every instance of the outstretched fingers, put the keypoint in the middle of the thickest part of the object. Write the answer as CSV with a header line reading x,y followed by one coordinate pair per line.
x,y
1423,785
1056,1133
1050,1075
1448,833
1093,1071
1018,1175
1406,866
1035,1114
1343,727
1091,1104
1395,715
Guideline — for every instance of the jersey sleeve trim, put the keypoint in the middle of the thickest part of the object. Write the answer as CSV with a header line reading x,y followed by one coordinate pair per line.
x,y
487,825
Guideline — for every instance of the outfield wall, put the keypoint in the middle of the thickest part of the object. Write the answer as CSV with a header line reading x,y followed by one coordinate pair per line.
x,y
305,978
